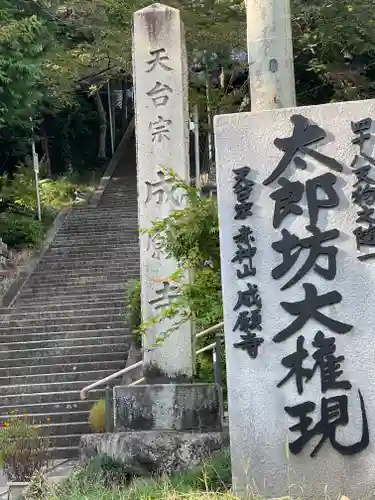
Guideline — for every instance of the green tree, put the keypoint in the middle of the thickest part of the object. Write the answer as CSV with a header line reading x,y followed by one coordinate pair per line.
x,y
23,42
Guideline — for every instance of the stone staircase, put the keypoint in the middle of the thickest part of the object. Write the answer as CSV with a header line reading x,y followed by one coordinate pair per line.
x,y
66,329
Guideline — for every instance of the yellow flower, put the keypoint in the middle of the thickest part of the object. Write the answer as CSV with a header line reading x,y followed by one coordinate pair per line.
x,y
6,424
48,419
36,427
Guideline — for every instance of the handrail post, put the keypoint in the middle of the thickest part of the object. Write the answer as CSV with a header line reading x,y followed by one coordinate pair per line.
x,y
216,354
108,409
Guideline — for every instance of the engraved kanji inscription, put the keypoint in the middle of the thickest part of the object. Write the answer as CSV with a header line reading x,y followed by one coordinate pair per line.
x,y
158,58
164,296
160,94
334,413
160,129
304,134
163,190
310,308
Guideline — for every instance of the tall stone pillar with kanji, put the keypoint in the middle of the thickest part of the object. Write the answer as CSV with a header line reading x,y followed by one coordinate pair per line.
x,y
162,132
169,423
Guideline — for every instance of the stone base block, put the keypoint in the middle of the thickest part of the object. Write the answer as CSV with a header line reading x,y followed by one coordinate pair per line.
x,y
173,407
154,452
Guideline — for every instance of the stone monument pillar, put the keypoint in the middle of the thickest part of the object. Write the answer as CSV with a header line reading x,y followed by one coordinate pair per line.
x,y
171,425
162,131
296,191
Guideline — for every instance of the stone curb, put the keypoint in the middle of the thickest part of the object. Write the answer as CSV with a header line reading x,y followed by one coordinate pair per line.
x,y
95,198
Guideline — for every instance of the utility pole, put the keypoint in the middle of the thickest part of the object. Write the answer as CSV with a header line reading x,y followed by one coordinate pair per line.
x,y
110,114
36,174
196,149
270,52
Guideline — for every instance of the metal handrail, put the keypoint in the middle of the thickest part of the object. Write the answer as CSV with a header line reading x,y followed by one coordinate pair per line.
x,y
103,381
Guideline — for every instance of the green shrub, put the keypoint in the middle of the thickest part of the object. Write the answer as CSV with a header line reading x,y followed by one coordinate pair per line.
x,y
19,231
97,417
23,451
133,308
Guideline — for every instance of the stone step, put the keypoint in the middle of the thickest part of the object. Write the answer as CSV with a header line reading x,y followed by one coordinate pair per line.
x,y
101,213
77,312
75,319
61,453
125,252
75,276
65,366
69,440
97,294
71,246
61,407
69,359
91,250
121,234
19,355
36,304
98,227
46,327
86,265
93,231
120,238
55,387
81,289
87,210
58,377
72,336
39,306
60,343
13,402
56,418
64,429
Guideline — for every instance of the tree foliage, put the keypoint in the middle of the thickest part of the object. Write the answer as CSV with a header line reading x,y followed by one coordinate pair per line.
x,y
334,50
23,42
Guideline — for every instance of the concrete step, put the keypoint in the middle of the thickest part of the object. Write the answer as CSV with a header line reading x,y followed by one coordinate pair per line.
x,y
55,398
97,227
60,343
55,418
47,289
102,211
72,336
46,327
85,265
70,359
39,306
72,312
93,239
83,276
97,294
66,452
19,355
64,367
89,251
130,253
69,440
65,319
60,406
58,377
98,231
64,429
49,388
